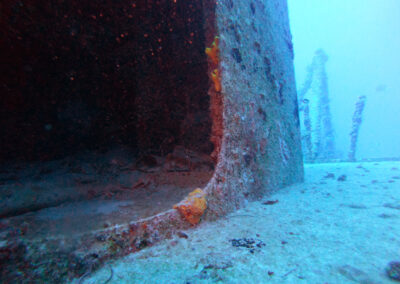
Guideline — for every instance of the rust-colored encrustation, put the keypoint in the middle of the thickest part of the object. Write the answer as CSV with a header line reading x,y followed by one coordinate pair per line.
x,y
193,206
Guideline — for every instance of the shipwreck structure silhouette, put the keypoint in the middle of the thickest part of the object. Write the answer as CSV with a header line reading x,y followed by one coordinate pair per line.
x,y
317,131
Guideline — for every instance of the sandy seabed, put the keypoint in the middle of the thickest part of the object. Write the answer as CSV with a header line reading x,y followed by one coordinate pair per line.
x,y
322,231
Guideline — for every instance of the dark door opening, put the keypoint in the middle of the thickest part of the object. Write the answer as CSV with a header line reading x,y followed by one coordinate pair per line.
x,y
104,111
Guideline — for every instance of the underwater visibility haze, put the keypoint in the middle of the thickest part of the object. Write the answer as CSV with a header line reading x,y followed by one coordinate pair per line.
x,y
200,141
361,40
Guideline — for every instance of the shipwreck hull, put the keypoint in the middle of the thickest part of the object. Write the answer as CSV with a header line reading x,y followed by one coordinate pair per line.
x,y
202,93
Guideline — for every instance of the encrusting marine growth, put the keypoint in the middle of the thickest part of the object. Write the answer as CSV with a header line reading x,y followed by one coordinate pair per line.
x,y
193,206
318,136
213,51
216,79
213,55
357,119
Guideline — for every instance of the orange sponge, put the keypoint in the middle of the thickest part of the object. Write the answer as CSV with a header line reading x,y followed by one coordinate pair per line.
x,y
193,206
215,76
213,51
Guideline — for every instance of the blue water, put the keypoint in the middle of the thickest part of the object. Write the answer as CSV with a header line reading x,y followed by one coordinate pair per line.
x,y
361,39
84,148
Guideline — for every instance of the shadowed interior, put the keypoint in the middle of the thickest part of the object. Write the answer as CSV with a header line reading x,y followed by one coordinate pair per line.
x,y
102,100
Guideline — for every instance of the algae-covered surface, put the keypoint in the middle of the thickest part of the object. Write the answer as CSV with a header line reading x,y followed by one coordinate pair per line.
x,y
341,226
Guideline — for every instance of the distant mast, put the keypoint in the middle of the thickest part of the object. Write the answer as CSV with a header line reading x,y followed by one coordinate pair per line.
x,y
328,139
317,120
357,119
